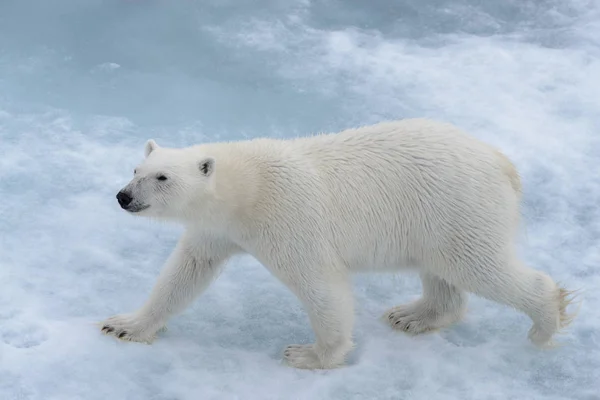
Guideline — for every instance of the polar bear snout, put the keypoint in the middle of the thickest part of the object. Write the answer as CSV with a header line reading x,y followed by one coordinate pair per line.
x,y
127,202
124,199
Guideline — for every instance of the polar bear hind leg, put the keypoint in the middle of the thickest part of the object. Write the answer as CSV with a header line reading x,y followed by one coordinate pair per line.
x,y
510,282
440,306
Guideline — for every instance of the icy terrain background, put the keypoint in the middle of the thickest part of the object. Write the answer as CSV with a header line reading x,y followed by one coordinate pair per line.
x,y
83,84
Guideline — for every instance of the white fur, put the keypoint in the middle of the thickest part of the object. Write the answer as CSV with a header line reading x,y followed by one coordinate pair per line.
x,y
406,194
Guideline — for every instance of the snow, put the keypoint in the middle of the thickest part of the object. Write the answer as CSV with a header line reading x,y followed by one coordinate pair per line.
x,y
84,84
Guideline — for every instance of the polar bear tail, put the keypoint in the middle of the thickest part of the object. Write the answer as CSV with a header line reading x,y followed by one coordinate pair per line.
x,y
511,173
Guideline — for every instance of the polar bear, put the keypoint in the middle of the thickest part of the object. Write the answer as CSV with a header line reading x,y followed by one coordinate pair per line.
x,y
410,194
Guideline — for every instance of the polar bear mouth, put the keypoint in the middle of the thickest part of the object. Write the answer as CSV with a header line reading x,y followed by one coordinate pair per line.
x,y
136,209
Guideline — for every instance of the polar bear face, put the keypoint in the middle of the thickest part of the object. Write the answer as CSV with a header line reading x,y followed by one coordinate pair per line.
x,y
168,182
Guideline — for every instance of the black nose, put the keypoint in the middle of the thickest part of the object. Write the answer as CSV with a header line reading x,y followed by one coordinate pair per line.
x,y
124,199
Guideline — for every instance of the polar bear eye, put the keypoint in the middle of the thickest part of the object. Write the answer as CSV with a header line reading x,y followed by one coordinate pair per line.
x,y
161,178
135,171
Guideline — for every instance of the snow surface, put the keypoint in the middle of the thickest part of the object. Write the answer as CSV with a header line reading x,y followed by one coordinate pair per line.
x,y
83,84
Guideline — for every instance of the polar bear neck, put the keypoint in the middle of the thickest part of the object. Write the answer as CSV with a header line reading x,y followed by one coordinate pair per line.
x,y
237,181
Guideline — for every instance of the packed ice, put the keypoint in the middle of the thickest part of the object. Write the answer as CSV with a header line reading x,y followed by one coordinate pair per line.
x,y
83,85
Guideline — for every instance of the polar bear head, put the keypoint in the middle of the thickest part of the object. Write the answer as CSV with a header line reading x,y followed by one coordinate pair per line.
x,y
169,183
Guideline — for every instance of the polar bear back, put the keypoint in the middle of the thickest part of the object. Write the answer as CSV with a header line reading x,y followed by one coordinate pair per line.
x,y
413,190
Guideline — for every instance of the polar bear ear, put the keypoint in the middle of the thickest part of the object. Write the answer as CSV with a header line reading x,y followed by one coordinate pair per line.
x,y
207,166
150,147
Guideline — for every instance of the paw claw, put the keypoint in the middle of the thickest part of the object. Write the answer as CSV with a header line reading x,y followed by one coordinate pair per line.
x,y
417,318
304,356
130,328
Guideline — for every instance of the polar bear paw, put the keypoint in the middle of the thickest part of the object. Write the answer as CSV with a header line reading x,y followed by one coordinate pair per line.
x,y
306,356
302,356
130,327
419,317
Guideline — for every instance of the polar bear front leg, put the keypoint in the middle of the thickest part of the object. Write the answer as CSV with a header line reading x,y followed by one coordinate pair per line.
x,y
193,265
329,304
